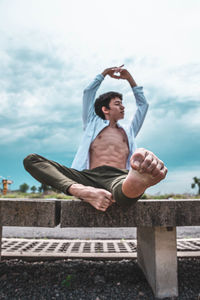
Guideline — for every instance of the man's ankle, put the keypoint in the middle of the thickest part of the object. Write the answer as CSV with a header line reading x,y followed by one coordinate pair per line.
x,y
75,189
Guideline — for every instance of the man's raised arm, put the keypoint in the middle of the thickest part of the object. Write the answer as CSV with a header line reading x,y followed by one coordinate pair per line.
x,y
142,105
90,92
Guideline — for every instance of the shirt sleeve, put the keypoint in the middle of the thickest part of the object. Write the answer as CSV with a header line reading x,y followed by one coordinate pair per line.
x,y
88,99
142,107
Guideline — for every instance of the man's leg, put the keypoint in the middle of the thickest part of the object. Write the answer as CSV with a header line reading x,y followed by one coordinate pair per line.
x,y
146,170
111,179
67,180
49,172
128,186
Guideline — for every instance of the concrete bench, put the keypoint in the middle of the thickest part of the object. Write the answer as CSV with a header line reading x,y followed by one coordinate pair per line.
x,y
28,213
156,222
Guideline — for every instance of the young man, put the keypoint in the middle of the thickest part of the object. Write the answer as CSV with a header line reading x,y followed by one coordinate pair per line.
x,y
107,167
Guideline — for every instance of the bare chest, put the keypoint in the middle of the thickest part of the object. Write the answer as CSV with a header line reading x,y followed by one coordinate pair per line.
x,y
109,137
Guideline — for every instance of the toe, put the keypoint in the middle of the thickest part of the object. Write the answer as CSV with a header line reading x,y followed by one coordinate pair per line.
x,y
136,160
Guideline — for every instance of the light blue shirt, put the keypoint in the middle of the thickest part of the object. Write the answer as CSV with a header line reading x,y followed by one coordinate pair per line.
x,y
93,125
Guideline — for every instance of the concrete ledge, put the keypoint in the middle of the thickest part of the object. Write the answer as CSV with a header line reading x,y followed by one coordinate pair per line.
x,y
75,213
148,213
30,212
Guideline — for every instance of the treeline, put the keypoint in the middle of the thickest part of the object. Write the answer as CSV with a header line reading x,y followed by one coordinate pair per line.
x,y
43,188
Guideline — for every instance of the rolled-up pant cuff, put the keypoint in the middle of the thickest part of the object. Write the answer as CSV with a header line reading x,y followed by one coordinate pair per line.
x,y
123,200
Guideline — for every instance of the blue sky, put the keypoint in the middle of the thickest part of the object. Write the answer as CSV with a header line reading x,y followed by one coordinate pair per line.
x,y
50,50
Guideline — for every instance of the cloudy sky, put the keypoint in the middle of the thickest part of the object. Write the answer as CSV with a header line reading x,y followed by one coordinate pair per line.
x,y
51,49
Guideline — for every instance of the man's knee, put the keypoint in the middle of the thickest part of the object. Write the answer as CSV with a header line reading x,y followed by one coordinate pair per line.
x,y
29,160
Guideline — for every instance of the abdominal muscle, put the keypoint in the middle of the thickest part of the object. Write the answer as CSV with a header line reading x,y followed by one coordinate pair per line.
x,y
109,148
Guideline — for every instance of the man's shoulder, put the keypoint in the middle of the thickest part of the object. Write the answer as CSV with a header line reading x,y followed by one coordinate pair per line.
x,y
96,121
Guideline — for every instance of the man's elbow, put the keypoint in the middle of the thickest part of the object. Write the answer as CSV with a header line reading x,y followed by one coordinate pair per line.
x,y
86,90
143,107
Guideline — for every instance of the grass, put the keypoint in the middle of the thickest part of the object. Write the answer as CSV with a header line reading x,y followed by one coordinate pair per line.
x,y
63,196
67,281
36,196
168,196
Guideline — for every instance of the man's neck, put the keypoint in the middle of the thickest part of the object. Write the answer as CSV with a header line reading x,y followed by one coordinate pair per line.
x,y
112,123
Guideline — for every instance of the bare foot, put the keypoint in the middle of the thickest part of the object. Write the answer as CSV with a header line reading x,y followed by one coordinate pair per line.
x,y
98,198
146,170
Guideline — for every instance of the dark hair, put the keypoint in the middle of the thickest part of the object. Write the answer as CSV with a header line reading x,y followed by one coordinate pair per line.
x,y
104,100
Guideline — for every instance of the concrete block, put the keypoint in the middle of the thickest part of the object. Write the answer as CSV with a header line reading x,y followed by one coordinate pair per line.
x,y
149,213
157,257
76,213
30,212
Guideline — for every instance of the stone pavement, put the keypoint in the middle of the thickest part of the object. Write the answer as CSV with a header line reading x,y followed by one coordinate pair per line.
x,y
88,233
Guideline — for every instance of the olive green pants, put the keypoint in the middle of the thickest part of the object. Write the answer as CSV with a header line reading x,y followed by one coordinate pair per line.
x,y
60,177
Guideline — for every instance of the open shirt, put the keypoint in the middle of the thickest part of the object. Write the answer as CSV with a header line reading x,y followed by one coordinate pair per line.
x,y
93,124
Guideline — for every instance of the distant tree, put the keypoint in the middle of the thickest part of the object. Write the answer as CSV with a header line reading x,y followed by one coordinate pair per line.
x,y
55,190
196,182
33,188
43,188
24,187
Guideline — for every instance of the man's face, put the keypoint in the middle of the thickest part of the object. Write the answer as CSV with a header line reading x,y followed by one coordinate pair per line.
x,y
116,111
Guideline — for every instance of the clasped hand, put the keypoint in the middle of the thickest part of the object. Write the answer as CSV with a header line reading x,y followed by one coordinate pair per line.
x,y
117,72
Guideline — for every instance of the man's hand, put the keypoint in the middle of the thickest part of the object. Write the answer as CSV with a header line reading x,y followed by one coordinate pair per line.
x,y
111,71
120,73
124,74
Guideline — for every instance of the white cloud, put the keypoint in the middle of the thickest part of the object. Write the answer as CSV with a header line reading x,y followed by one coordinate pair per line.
x,y
176,181
108,30
50,50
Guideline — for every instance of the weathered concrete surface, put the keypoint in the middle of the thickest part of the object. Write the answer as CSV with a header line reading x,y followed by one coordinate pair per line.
x,y
29,212
75,213
149,213
157,257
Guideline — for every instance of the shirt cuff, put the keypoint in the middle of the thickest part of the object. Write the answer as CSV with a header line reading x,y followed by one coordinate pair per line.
x,y
137,89
100,77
